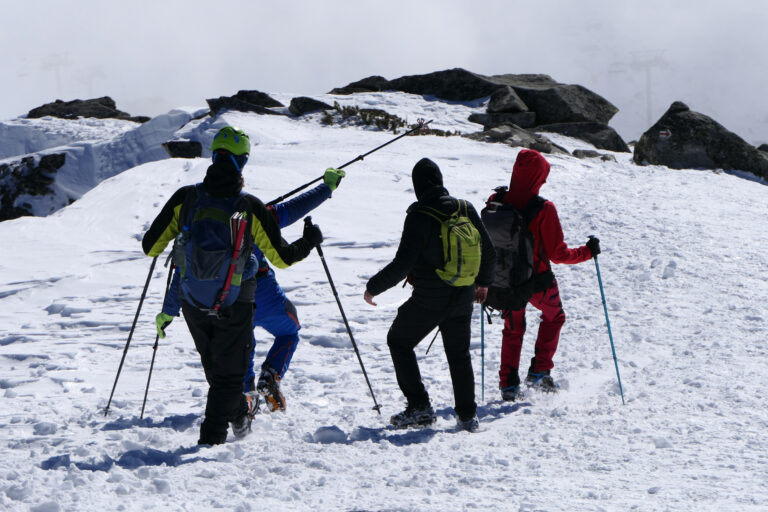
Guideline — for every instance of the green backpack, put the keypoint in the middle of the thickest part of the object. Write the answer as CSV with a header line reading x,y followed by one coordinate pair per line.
x,y
462,245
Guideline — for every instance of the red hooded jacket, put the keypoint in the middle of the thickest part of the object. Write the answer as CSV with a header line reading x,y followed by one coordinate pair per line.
x,y
528,175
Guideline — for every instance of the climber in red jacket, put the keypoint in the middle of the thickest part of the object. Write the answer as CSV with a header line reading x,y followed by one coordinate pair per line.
x,y
528,175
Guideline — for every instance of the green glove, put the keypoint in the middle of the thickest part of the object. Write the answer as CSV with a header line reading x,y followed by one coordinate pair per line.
x,y
332,177
162,321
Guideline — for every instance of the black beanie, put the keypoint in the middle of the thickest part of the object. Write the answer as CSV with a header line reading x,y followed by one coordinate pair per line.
x,y
426,174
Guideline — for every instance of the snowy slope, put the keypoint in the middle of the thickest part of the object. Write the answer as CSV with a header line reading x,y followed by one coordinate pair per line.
x,y
94,150
683,268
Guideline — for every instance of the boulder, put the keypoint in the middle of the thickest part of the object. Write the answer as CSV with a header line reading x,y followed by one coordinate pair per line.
x,y
518,137
566,104
258,98
101,108
505,100
591,153
303,105
521,119
763,148
369,84
684,139
599,135
453,85
245,101
551,101
183,148
26,177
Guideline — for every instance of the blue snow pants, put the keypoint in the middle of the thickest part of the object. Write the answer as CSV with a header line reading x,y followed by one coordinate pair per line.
x,y
276,314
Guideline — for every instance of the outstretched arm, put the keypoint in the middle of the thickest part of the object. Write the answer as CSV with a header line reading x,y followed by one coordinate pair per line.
x,y
297,208
553,240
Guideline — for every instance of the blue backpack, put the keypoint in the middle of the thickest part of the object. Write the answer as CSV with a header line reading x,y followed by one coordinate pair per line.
x,y
213,248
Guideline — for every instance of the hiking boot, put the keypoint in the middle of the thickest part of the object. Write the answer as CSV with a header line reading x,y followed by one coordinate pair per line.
x,y
414,416
269,387
241,426
511,391
541,381
469,424
252,397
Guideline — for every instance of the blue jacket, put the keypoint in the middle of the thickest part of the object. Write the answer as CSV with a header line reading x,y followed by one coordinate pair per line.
x,y
286,213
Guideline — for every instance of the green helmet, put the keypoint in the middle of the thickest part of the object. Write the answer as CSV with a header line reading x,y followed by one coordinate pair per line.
x,y
232,139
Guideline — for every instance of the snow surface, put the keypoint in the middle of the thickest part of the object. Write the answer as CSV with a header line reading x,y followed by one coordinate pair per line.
x,y
683,266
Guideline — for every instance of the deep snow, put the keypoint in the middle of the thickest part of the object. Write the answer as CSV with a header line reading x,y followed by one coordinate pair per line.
x,y
683,267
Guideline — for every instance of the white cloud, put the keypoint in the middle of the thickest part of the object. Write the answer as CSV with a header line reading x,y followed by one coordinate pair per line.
x,y
153,56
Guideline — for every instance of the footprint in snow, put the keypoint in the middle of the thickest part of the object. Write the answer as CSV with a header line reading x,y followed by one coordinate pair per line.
x,y
669,270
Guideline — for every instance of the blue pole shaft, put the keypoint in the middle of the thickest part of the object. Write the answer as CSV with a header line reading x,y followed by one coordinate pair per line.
x,y
608,324
482,352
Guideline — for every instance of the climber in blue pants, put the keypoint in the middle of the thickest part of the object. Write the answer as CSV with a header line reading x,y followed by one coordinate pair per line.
x,y
273,312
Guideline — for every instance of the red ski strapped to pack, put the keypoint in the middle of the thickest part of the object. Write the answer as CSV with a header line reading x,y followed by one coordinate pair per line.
x,y
238,223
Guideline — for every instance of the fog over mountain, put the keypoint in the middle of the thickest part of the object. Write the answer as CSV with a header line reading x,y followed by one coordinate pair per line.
x,y
153,57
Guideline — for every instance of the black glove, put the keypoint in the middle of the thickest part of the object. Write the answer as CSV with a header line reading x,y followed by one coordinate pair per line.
x,y
594,246
312,234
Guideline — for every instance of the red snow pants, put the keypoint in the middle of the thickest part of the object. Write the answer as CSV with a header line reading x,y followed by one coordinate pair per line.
x,y
552,320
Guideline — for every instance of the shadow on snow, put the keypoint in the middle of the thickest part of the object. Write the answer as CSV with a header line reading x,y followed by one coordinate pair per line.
x,y
487,414
178,422
130,460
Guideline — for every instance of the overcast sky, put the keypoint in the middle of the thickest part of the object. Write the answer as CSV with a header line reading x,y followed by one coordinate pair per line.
x,y
151,56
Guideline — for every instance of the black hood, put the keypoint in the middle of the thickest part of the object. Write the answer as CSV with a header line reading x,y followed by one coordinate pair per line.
x,y
426,175
223,179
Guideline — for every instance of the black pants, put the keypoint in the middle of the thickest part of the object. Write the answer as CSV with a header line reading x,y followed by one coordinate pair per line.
x,y
224,345
412,323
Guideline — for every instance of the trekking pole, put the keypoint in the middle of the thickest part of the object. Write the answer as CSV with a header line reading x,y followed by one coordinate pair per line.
x,y
608,324
377,407
433,340
130,334
482,352
157,338
421,126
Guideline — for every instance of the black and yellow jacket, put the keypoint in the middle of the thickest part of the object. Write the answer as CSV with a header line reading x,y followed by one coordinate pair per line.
x,y
223,180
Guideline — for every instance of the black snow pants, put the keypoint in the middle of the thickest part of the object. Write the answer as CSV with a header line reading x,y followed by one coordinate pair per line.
x,y
224,345
412,323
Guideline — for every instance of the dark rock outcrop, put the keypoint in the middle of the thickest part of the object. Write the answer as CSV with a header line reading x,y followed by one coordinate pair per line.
x,y
451,85
303,105
517,137
763,148
183,148
599,135
591,153
566,103
521,119
369,84
245,101
25,177
684,139
525,100
101,108
505,101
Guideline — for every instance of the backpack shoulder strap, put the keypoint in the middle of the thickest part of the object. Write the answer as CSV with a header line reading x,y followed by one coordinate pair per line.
x,y
189,202
432,212
533,207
